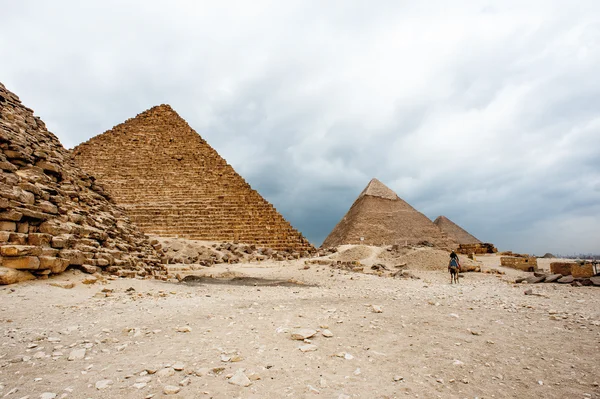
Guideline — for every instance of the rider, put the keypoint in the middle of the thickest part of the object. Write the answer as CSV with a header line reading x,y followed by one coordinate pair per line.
x,y
454,261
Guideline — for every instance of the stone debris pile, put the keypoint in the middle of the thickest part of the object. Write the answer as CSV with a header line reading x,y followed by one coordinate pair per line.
x,y
183,251
52,214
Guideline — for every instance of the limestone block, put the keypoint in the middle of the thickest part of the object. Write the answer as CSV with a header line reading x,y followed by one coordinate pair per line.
x,y
12,276
25,262
75,257
39,239
563,268
8,226
11,215
55,265
19,250
582,270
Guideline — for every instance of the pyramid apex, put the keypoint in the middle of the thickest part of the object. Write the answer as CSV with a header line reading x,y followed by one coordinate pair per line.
x,y
375,188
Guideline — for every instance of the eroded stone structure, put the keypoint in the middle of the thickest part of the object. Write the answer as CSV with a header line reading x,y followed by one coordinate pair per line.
x,y
380,217
527,264
478,249
52,214
173,183
454,231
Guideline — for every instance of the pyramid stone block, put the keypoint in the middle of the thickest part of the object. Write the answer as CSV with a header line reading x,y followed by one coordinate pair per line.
x,y
173,183
380,217
52,214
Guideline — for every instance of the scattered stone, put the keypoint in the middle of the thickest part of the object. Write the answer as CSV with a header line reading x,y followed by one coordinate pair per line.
x,y
139,385
398,378
184,329
48,395
326,333
185,382
240,379
103,384
303,333
171,389
308,348
565,280
63,284
179,366
77,354
552,278
376,309
166,372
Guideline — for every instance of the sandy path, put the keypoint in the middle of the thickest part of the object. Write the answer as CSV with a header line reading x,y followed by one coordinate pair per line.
x,y
483,338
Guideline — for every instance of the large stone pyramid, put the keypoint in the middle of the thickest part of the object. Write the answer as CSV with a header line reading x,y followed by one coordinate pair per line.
x,y
380,217
173,183
52,214
454,231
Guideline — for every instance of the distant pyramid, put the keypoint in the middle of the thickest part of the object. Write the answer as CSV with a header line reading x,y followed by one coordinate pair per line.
x,y
173,183
454,231
380,217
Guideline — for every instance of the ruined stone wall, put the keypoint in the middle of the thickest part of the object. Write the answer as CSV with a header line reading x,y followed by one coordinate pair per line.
x,y
52,214
563,268
172,183
525,264
479,248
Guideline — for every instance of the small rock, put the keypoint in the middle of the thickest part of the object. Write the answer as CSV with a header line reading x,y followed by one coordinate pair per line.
x,y
179,366
139,385
144,380
398,378
166,372
103,384
326,333
47,395
308,348
185,382
376,309
184,329
77,354
240,379
303,334
171,389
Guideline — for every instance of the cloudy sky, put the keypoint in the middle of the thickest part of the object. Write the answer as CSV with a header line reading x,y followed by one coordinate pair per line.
x,y
487,112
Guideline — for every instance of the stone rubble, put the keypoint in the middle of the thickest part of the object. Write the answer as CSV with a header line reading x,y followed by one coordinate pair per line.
x,y
52,214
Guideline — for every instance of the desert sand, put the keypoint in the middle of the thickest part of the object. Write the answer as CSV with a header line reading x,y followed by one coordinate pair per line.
x,y
374,337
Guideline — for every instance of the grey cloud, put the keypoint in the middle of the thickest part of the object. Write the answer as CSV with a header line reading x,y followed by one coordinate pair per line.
x,y
483,113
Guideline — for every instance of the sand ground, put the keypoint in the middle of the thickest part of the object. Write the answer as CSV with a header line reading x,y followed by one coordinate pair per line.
x,y
482,338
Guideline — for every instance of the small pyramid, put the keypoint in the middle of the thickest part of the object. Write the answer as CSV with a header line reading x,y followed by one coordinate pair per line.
x,y
53,215
380,217
173,183
454,231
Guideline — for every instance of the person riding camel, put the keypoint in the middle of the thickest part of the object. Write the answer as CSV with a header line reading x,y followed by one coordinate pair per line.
x,y
454,267
454,261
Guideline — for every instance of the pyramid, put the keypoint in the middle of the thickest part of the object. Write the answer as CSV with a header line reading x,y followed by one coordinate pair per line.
x,y
52,214
174,184
454,231
380,217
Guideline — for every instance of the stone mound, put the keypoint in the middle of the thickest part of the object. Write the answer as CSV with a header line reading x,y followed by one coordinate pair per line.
x,y
174,184
379,217
52,214
354,253
424,258
454,231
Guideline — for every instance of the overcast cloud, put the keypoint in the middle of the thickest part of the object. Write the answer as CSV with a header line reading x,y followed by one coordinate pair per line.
x,y
487,112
